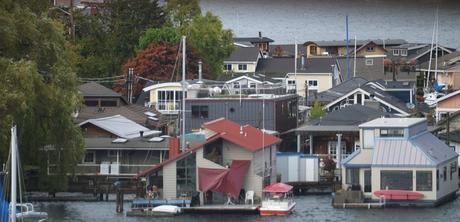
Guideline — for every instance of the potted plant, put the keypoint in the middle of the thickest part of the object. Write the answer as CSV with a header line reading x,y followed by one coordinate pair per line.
x,y
329,167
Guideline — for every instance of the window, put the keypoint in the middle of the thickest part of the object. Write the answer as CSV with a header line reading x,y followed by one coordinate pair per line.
x,y
367,181
424,181
242,67
236,85
200,112
213,152
90,157
91,103
313,50
453,169
186,176
444,173
252,85
391,132
352,176
403,52
369,62
168,99
370,48
108,103
396,52
395,180
312,84
228,67
437,179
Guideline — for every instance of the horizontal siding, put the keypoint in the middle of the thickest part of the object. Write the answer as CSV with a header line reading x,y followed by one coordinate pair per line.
x,y
205,163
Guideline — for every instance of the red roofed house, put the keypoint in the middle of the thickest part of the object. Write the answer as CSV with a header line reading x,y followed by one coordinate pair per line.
x,y
230,160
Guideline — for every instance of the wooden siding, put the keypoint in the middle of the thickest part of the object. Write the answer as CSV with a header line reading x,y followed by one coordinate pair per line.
x,y
451,103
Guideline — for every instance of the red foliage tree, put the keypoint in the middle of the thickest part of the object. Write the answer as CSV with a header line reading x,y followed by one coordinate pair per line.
x,y
156,62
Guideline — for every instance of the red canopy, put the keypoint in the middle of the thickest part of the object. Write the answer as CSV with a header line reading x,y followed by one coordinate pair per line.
x,y
226,181
278,188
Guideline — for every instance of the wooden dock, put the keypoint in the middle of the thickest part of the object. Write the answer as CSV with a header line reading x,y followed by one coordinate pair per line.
x,y
223,209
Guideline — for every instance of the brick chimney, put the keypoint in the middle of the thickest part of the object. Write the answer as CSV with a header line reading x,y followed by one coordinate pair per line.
x,y
173,147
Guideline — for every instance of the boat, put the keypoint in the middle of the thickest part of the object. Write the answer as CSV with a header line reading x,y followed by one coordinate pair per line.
x,y
398,194
160,211
278,200
19,211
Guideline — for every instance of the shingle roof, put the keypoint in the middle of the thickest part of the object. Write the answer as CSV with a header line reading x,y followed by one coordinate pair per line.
x,y
253,39
395,84
350,115
242,54
245,136
121,126
282,66
378,93
92,89
339,90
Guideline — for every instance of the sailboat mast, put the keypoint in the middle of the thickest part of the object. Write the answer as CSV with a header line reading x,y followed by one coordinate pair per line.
x,y
348,52
431,52
184,92
14,175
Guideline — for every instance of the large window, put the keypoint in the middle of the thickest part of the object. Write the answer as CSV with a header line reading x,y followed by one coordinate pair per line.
x,y
186,176
242,67
367,181
312,84
453,169
352,176
424,181
199,111
90,157
444,173
391,132
213,152
168,99
396,180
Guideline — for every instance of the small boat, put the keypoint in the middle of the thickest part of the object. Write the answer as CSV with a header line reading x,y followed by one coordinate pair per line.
x,y
278,201
167,209
160,211
398,194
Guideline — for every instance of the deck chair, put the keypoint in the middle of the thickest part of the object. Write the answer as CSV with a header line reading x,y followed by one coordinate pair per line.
x,y
249,197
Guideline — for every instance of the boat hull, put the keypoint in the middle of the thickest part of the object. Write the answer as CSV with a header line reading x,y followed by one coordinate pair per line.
x,y
398,194
267,211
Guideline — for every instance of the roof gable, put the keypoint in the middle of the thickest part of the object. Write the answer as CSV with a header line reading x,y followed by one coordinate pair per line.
x,y
242,77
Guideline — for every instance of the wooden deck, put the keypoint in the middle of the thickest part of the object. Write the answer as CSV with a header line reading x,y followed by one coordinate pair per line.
x,y
223,209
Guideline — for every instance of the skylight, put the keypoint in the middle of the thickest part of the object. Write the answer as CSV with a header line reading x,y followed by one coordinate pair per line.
x,y
120,140
150,114
156,139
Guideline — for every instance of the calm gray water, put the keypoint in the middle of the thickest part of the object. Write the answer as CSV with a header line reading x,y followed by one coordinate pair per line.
x,y
305,20
309,208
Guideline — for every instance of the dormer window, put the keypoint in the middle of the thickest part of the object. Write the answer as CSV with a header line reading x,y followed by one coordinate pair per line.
x,y
392,132
403,52
370,48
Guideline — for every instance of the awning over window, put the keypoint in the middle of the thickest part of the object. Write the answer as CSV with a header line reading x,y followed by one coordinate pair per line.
x,y
226,181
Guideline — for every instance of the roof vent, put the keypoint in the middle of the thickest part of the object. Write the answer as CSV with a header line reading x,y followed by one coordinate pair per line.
x,y
120,140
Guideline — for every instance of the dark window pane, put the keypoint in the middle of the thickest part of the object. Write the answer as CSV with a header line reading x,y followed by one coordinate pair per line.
x,y
91,103
395,180
424,181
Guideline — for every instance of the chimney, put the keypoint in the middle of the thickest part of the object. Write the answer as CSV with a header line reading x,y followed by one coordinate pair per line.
x,y
173,147
200,71
141,133
260,35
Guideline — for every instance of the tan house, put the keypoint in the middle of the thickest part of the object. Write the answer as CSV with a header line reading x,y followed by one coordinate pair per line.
x,y
242,154
338,48
400,155
447,104
165,97
242,60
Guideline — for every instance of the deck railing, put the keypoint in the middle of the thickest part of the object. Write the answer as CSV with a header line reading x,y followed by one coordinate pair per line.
x,y
105,169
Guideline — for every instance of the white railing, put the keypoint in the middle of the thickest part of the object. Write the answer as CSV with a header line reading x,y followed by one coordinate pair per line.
x,y
106,169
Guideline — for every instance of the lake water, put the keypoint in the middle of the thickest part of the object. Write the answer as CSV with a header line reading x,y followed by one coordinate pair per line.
x,y
305,20
309,208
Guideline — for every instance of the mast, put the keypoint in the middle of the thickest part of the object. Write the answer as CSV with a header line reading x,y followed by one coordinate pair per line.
x,y
14,175
431,51
348,52
354,61
184,91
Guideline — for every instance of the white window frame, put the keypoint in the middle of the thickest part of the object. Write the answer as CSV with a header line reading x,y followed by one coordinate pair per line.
x,y
403,52
166,101
396,52
369,62
242,67
228,67
311,86
94,157
236,85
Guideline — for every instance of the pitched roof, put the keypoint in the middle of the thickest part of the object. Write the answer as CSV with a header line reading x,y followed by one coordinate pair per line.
x,y
245,136
244,54
280,66
339,90
388,42
92,89
133,112
393,122
253,39
395,84
397,152
350,115
121,126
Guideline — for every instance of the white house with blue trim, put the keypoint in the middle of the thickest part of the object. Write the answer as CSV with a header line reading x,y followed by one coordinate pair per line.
x,y
400,154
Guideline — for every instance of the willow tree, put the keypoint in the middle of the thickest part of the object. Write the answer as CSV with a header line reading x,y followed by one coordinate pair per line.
x,y
39,92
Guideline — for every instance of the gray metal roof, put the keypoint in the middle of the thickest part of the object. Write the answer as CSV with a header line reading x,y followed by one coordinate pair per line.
x,y
242,54
131,144
339,90
121,126
393,122
282,65
395,84
385,96
421,150
92,89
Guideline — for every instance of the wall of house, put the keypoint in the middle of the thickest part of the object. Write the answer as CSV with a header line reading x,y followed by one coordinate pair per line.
x,y
324,81
449,185
249,111
250,68
169,181
450,103
377,51
244,83
92,131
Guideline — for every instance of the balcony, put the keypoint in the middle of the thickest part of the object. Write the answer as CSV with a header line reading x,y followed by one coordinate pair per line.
x,y
110,169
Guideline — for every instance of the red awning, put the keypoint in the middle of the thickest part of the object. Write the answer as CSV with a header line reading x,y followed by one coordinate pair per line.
x,y
278,188
226,181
